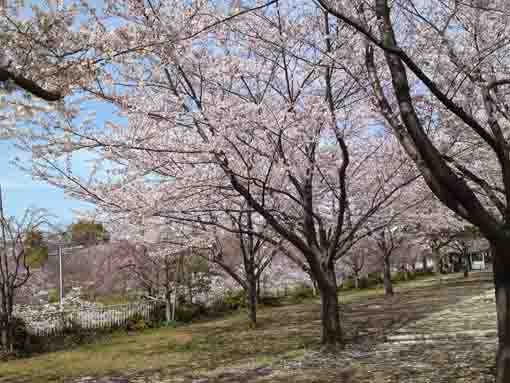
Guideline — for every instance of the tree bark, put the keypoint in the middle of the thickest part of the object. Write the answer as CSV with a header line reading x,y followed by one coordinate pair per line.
x,y
466,265
314,284
6,333
388,285
258,291
331,329
252,301
502,286
4,337
168,305
330,319
6,323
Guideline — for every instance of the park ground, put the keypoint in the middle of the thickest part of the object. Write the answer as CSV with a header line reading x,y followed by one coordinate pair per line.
x,y
430,331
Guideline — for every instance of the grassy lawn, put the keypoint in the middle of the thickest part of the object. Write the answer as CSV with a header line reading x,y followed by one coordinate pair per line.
x,y
284,333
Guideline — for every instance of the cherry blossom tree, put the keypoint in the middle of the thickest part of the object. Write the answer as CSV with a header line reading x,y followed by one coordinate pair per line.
x,y
48,56
388,240
97,268
262,112
245,257
398,242
31,53
356,261
150,258
451,54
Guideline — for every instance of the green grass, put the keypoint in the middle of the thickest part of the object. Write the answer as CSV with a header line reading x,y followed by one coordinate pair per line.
x,y
350,295
53,295
186,349
205,346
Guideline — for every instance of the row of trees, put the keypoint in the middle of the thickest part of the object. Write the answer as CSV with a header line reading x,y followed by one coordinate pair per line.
x,y
158,272
310,120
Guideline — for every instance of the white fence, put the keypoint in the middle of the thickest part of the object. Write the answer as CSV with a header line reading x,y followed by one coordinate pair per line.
x,y
97,317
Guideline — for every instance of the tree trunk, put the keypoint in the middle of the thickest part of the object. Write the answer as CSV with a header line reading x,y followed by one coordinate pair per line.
x,y
452,264
405,272
388,285
168,305
331,329
314,284
436,257
424,263
6,333
466,265
330,318
440,265
258,291
356,281
4,338
6,322
502,285
174,303
252,301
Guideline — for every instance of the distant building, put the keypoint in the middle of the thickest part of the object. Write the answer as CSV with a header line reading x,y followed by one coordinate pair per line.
x,y
480,254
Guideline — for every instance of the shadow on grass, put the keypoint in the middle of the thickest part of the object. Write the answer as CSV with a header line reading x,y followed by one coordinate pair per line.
x,y
198,349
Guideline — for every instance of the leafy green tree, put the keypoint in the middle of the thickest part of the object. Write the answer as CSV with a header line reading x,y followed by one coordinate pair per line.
x,y
36,248
87,233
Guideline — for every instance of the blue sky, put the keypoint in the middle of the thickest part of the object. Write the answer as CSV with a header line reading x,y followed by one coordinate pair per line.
x,y
21,191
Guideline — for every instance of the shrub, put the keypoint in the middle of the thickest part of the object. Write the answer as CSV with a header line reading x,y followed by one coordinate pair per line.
x,y
89,295
363,282
370,281
367,281
73,334
300,293
136,322
189,312
425,273
219,307
235,300
375,279
21,337
53,296
171,324
26,344
158,317
270,301
37,257
232,301
348,283
399,276
71,337
5,356
404,276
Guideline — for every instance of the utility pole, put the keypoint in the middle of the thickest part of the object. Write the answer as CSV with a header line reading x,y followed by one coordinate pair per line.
x,y
61,251
61,283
